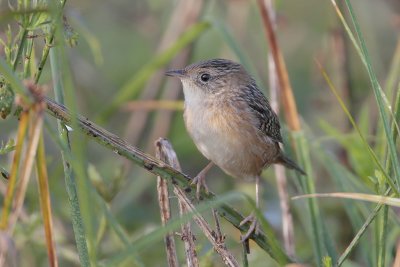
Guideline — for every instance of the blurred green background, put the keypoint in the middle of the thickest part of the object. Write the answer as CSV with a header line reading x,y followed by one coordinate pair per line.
x,y
116,39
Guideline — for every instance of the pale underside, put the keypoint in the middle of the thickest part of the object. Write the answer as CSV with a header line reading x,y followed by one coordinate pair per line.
x,y
225,132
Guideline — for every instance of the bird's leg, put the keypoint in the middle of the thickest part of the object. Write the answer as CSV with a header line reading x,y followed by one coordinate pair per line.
x,y
200,179
254,227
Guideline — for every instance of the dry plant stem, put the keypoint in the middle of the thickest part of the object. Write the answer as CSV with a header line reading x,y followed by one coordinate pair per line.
x,y
38,111
188,238
288,102
220,248
168,155
160,168
165,211
45,202
218,243
281,181
217,225
23,125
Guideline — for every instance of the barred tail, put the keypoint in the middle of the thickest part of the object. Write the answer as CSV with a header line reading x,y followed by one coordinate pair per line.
x,y
282,159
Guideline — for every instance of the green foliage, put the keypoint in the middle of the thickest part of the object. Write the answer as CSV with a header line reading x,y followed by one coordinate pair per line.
x,y
6,99
113,210
7,147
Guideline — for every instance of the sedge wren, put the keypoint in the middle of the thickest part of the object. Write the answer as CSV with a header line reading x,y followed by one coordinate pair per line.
x,y
231,122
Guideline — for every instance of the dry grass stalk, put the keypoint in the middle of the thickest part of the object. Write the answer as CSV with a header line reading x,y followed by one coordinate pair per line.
x,y
165,212
286,92
217,240
168,155
45,203
23,125
281,180
36,114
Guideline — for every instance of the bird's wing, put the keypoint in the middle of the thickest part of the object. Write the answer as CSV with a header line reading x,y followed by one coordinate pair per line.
x,y
267,118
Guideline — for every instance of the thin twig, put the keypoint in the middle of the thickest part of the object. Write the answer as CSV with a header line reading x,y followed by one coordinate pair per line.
x,y
165,212
217,242
219,246
218,231
168,155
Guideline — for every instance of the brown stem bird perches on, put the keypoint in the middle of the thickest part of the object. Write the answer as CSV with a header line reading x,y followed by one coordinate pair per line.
x,y
231,122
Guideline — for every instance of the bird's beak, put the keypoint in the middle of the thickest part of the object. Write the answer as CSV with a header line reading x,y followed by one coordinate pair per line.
x,y
176,73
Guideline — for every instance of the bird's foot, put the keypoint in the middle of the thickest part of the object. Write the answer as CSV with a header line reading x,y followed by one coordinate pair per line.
x,y
253,229
200,181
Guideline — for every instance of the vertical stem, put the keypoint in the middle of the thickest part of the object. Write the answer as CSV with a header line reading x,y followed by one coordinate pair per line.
x,y
27,57
45,202
281,181
21,45
165,212
287,97
77,221
382,231
23,124
37,113
187,235
319,236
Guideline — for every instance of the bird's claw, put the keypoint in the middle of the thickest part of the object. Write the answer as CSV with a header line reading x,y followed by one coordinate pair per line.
x,y
200,181
254,227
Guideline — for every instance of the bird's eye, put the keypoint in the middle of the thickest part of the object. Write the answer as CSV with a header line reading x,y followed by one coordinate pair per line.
x,y
205,77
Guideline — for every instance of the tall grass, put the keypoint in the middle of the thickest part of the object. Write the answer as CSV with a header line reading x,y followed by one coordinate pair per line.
x,y
109,227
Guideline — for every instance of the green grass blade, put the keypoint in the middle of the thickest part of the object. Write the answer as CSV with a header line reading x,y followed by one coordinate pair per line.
x,y
352,121
359,234
78,192
321,240
382,236
76,217
10,77
379,96
345,181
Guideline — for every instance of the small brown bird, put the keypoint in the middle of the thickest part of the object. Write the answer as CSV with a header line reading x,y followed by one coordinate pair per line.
x,y
231,122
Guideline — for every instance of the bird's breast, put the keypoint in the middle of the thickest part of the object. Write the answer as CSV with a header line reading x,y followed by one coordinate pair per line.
x,y
226,135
